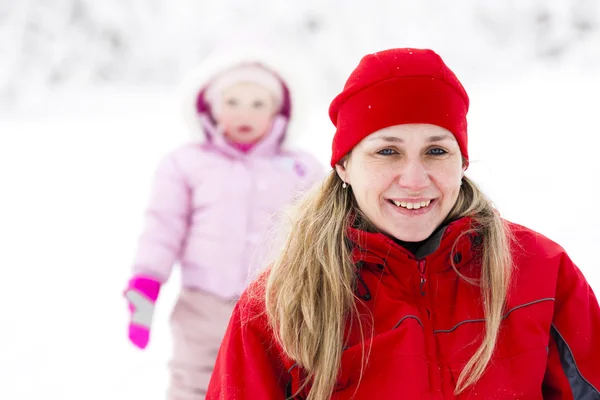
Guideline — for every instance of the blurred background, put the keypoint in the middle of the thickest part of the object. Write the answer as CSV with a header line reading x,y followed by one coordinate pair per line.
x,y
89,104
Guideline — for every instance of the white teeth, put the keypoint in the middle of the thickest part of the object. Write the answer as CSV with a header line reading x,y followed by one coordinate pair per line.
x,y
412,206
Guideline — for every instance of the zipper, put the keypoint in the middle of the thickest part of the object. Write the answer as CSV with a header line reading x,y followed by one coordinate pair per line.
x,y
422,269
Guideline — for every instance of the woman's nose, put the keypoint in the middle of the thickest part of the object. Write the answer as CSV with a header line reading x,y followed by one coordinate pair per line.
x,y
414,176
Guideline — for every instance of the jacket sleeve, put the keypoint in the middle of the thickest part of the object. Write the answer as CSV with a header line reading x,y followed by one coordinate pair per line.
x,y
165,223
573,368
249,364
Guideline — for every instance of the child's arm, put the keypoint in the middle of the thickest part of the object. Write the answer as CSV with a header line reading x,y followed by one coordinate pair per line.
x,y
160,244
166,222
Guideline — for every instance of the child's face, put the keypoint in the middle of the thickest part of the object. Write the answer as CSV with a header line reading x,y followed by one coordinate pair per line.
x,y
245,112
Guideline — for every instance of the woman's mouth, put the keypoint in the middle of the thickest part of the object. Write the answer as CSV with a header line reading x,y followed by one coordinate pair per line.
x,y
412,205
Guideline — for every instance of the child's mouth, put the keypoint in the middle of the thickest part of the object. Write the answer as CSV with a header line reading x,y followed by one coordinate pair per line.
x,y
245,129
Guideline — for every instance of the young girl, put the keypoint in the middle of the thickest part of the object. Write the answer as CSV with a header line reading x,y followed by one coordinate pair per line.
x,y
210,208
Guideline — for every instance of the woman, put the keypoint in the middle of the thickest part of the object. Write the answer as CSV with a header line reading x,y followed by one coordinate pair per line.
x,y
399,279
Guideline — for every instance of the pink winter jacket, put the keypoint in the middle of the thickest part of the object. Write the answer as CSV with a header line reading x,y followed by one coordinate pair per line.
x,y
212,207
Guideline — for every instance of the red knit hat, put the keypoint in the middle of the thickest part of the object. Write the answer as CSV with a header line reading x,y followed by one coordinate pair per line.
x,y
394,87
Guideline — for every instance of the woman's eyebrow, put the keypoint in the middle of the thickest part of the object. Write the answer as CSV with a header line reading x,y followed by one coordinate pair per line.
x,y
439,138
394,139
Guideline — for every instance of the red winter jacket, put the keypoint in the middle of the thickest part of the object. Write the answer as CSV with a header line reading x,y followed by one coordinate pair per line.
x,y
428,322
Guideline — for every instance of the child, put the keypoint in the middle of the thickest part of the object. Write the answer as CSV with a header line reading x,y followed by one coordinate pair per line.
x,y
209,211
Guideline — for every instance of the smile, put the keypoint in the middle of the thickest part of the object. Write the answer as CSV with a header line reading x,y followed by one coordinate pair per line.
x,y
411,205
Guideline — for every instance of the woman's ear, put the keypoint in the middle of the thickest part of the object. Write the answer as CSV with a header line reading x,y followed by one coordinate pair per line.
x,y
342,171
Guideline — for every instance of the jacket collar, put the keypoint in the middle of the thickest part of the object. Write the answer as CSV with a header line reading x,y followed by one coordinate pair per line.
x,y
457,237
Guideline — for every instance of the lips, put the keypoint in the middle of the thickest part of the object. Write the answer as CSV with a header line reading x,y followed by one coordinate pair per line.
x,y
412,206
245,129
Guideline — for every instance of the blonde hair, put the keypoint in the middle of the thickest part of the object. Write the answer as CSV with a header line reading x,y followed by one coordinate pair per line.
x,y
310,289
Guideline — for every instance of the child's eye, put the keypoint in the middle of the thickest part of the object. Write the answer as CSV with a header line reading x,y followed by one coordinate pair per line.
x,y
258,104
232,102
437,151
386,152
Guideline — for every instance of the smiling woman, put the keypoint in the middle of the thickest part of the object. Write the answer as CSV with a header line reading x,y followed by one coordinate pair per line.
x,y
399,279
405,178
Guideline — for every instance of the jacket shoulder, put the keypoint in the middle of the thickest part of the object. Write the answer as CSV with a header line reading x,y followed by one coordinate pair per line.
x,y
533,243
304,156
308,162
538,263
251,305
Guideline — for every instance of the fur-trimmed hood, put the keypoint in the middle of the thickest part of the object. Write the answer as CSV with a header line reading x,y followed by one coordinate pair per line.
x,y
197,112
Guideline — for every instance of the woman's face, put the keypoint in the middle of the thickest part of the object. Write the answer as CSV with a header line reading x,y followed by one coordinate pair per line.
x,y
405,178
245,112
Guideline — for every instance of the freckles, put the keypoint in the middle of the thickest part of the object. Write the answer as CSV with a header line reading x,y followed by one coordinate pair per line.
x,y
379,180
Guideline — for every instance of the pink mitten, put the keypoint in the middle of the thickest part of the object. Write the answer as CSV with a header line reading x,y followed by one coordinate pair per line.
x,y
141,294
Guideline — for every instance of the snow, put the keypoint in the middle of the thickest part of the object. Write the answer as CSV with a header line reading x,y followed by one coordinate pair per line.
x,y
74,43
84,122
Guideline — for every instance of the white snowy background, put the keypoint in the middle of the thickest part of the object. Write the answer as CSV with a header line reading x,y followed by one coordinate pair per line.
x,y
88,104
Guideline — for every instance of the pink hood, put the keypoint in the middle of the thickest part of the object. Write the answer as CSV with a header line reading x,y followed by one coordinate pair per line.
x,y
269,145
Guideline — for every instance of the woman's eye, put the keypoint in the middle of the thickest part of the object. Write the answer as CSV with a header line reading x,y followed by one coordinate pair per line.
x,y
232,102
437,151
386,152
